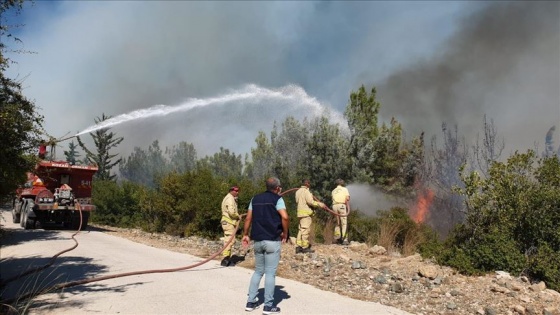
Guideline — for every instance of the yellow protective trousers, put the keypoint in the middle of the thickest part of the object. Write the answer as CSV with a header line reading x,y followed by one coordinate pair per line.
x,y
303,232
341,229
229,229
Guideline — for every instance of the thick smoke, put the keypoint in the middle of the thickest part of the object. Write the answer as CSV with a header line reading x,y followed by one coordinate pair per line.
x,y
504,61
114,57
369,200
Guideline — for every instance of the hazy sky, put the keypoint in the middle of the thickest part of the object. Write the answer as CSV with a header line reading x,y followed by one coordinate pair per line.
x,y
430,61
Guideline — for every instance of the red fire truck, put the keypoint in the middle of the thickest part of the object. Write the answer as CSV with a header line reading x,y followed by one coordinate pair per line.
x,y
55,193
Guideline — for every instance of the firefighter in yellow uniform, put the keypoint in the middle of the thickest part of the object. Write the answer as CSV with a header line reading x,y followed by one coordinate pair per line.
x,y
230,217
341,197
304,200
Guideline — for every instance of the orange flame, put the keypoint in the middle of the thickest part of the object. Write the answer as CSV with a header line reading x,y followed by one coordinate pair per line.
x,y
421,209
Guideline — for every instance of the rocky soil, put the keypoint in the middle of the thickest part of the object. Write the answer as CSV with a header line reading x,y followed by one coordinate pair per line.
x,y
371,274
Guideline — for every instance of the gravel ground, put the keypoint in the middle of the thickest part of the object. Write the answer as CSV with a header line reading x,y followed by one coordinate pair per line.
x,y
358,271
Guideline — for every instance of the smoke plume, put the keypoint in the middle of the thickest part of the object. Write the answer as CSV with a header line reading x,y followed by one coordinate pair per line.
x,y
504,61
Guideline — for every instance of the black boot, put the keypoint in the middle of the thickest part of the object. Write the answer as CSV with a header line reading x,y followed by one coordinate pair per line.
x,y
307,250
299,250
225,262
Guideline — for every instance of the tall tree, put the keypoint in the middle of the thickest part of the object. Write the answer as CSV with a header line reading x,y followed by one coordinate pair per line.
x,y
290,151
361,113
144,167
72,154
104,141
20,124
182,157
442,173
488,148
223,164
262,159
134,168
327,157
380,155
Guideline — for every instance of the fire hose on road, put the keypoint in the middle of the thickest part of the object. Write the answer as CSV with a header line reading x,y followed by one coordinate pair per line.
x,y
59,286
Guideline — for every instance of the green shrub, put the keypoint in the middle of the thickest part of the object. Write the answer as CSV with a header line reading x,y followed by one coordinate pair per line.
x,y
457,258
512,220
430,247
545,266
362,228
117,204
496,250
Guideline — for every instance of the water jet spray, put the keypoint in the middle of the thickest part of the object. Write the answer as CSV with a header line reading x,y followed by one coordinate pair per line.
x,y
250,94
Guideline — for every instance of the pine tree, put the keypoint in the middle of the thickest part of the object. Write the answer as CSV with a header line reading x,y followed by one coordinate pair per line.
x,y
72,154
104,142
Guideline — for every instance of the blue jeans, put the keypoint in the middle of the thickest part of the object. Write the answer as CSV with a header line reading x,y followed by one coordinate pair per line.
x,y
267,257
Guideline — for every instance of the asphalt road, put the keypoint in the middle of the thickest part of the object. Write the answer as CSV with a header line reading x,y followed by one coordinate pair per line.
x,y
207,289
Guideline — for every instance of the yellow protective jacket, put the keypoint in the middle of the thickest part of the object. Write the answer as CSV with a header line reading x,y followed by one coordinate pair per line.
x,y
340,195
304,199
229,210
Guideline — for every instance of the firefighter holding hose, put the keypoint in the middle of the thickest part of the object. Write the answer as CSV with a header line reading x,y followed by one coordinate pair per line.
x,y
230,217
340,198
305,200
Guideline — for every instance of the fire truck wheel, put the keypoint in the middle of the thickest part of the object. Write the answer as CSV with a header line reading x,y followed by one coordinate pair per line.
x,y
22,214
16,217
27,223
23,222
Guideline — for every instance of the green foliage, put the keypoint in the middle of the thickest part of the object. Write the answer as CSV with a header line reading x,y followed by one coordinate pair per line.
x,y
361,113
285,155
116,204
144,167
223,164
459,259
327,157
20,124
430,247
290,151
185,204
262,159
182,157
544,265
512,219
492,250
72,154
363,228
104,141
380,155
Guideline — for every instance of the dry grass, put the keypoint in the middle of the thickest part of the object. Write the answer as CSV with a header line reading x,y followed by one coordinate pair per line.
x,y
328,231
412,239
388,232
